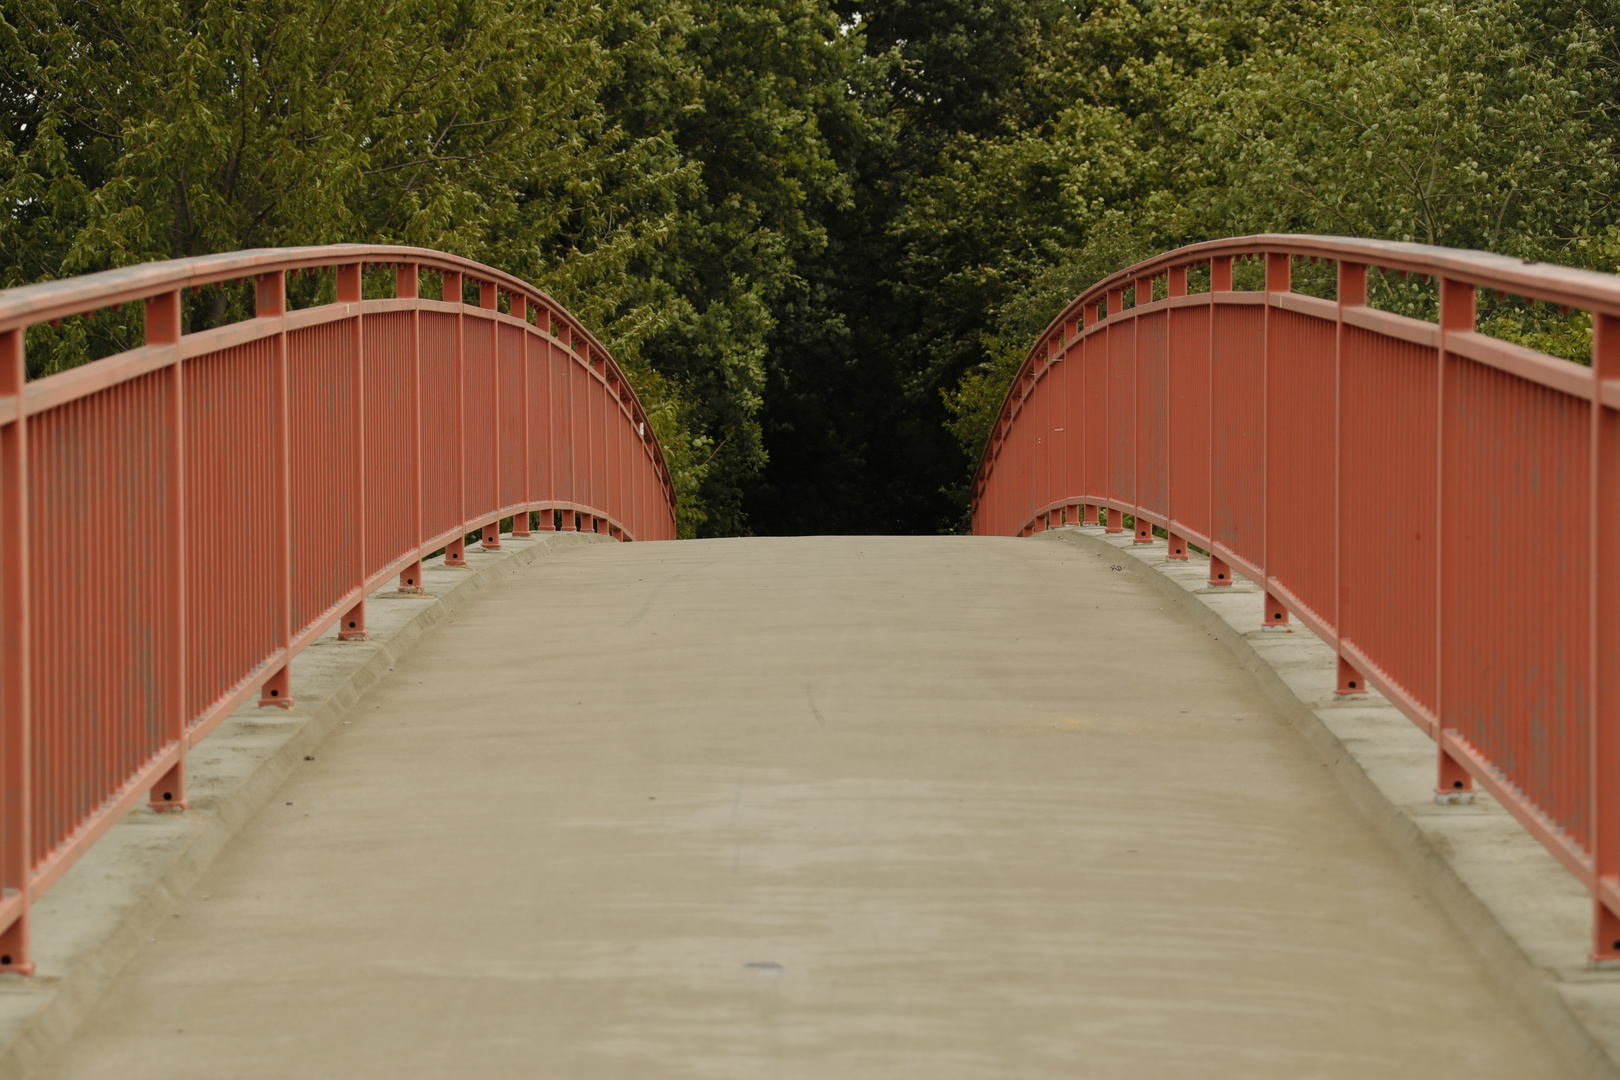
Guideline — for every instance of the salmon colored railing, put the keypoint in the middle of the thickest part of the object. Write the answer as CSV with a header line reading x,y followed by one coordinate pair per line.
x,y
178,521
1440,506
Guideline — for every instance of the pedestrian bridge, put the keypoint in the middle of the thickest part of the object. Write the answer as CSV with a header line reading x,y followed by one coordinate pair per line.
x,y
1086,802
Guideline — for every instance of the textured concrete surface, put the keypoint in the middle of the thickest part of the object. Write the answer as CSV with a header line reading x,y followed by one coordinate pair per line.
x,y
101,913
1518,906
930,807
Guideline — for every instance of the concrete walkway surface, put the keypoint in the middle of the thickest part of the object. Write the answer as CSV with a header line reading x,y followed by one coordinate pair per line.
x,y
810,808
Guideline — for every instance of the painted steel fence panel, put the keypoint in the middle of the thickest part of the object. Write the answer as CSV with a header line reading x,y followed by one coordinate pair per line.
x,y
1388,477
1300,409
102,691
512,430
1152,416
1188,376
1237,444
1122,412
1441,507
440,396
541,420
1098,416
1513,666
480,418
229,499
321,365
388,354
178,521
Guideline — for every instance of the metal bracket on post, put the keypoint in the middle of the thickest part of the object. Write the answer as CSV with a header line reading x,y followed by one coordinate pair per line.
x,y
492,536
1350,682
410,579
1276,615
169,793
455,552
277,690
1115,521
352,627
1178,548
1456,786
1089,511
1219,573
1144,531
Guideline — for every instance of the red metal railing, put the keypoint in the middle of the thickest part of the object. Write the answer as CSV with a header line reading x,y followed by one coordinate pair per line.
x,y
179,520
1388,481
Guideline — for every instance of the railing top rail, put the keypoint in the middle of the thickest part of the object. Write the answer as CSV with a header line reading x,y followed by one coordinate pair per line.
x,y
30,305
1566,286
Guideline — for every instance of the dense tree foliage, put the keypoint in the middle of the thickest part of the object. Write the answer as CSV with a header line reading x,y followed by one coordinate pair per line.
x,y
820,234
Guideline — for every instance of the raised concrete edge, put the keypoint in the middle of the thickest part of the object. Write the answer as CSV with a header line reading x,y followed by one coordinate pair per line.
x,y
120,893
1526,915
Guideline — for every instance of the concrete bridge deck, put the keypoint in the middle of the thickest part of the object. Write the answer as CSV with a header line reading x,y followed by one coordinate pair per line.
x,y
823,807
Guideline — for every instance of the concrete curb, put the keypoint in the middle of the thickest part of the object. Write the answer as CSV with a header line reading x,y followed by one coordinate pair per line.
x,y
96,918
1527,916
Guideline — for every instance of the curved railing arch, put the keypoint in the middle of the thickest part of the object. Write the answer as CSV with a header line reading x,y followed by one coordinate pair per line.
x,y
178,521
1440,506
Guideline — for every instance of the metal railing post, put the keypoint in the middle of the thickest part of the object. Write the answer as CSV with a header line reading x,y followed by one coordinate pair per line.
x,y
407,283
271,293
520,518
1279,271
1604,641
1220,280
16,635
1088,508
1352,292
1115,517
1175,284
1143,294
352,625
547,421
455,552
1457,303
489,300
163,328
1073,427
